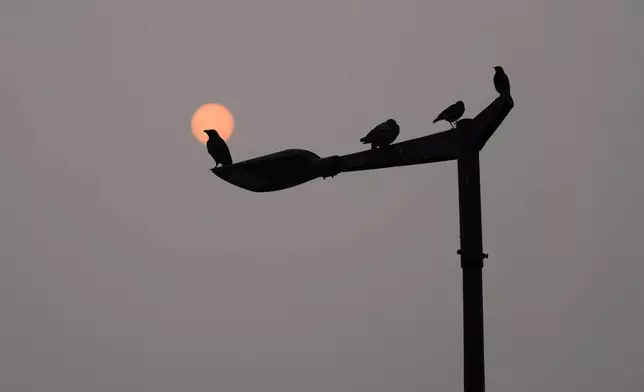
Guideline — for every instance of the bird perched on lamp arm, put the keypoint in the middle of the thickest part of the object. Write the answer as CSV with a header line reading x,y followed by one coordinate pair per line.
x,y
217,148
382,135
452,113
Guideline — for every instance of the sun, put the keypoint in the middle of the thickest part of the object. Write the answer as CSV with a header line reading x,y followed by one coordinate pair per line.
x,y
212,116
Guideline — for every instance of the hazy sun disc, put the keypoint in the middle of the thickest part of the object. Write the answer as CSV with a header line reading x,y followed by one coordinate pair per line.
x,y
212,116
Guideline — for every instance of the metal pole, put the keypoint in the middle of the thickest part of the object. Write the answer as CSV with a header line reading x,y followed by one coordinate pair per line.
x,y
469,193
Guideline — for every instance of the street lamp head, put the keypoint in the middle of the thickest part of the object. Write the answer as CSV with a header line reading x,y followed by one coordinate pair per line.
x,y
277,171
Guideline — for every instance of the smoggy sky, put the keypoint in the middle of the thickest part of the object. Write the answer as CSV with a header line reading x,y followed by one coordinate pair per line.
x,y
127,266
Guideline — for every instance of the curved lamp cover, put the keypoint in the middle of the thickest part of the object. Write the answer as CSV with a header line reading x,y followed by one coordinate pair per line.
x,y
280,170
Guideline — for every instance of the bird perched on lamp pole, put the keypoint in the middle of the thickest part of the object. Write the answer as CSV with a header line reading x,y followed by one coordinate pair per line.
x,y
217,148
382,135
501,81
452,113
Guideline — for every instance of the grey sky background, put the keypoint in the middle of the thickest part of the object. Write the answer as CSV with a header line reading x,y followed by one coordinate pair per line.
x,y
127,266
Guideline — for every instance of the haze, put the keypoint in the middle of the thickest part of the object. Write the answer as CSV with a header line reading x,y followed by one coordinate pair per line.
x,y
126,265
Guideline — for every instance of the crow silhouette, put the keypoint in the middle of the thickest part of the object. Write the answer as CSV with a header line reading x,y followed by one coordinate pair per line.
x,y
217,148
382,135
452,113
501,81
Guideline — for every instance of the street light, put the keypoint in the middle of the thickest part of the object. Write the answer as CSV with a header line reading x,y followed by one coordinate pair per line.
x,y
289,168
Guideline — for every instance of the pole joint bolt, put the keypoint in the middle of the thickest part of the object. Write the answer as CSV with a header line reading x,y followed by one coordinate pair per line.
x,y
460,252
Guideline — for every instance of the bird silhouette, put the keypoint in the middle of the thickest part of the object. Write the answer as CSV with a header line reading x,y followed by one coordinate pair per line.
x,y
217,148
501,81
452,113
382,135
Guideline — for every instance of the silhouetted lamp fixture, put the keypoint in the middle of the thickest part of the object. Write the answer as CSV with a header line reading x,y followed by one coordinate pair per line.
x,y
289,168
